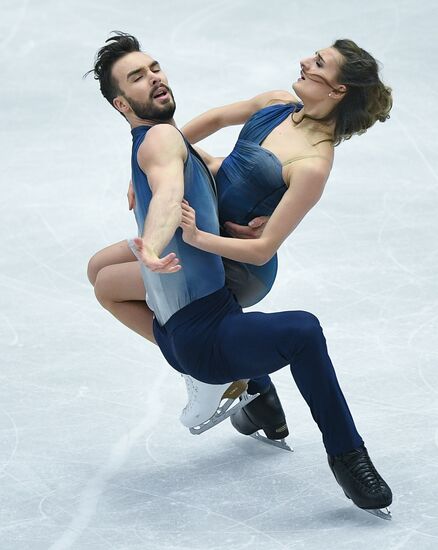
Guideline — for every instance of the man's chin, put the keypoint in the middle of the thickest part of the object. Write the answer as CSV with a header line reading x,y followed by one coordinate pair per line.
x,y
166,113
157,115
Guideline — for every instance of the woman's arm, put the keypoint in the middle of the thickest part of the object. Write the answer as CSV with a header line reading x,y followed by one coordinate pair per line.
x,y
303,193
213,163
131,195
235,113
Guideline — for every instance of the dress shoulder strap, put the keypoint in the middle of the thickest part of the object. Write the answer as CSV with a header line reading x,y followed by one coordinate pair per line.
x,y
261,123
294,159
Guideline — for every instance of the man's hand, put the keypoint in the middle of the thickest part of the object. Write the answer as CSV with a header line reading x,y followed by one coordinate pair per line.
x,y
167,264
253,230
188,223
131,196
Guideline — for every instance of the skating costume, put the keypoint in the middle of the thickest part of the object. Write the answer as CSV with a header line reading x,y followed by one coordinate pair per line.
x,y
209,337
250,184
166,293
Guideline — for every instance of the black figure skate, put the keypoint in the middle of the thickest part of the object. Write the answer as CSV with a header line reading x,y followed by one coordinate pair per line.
x,y
361,482
264,413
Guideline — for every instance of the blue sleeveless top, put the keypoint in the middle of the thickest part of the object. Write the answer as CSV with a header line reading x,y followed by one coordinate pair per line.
x,y
250,184
202,273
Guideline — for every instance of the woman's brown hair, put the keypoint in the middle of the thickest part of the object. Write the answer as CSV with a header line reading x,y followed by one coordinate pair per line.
x,y
366,100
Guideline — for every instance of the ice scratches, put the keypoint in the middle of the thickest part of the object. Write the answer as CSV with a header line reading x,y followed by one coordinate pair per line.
x,y
43,514
51,230
15,27
14,339
45,265
199,19
403,542
90,496
393,37
205,509
415,146
37,291
14,450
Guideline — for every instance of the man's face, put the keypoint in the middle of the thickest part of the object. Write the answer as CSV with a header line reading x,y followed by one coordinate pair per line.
x,y
144,87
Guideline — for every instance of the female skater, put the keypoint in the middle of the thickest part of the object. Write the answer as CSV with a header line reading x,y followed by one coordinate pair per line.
x,y
278,167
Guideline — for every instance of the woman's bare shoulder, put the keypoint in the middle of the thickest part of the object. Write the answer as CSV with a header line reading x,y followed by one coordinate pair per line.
x,y
272,97
280,96
316,166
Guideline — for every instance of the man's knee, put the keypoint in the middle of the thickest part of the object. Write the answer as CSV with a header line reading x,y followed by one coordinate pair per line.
x,y
310,326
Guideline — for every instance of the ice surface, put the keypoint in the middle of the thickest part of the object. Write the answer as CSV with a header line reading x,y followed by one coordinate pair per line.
x,y
92,456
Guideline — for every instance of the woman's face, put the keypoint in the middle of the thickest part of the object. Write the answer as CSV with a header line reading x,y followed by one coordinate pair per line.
x,y
318,77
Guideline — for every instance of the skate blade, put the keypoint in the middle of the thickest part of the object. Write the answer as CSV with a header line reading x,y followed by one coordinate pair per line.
x,y
280,443
380,513
223,412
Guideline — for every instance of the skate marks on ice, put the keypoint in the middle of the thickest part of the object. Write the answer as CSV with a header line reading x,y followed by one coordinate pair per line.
x,y
10,428
13,27
90,496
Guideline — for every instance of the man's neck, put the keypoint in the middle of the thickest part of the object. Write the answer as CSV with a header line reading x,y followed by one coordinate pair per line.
x,y
136,121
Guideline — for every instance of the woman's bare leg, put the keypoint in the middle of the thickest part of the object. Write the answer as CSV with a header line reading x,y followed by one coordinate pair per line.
x,y
118,253
115,274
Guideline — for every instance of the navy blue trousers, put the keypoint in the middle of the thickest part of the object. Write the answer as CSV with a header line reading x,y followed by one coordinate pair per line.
x,y
212,340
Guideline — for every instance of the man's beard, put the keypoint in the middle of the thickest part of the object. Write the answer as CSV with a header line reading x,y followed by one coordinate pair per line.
x,y
151,111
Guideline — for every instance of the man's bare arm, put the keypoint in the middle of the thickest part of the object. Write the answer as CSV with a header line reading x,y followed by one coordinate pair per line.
x,y
161,157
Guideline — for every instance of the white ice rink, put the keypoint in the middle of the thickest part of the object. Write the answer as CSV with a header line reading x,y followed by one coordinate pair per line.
x,y
92,455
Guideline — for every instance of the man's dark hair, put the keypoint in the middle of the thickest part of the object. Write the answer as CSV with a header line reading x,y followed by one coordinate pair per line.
x,y
115,48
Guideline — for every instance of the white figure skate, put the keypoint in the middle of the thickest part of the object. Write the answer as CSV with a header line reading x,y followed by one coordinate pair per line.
x,y
204,409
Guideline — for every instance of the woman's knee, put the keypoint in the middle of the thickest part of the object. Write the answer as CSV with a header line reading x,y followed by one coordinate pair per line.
x,y
93,268
117,253
103,286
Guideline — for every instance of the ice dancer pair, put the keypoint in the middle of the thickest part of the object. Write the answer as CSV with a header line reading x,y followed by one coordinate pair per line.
x,y
190,302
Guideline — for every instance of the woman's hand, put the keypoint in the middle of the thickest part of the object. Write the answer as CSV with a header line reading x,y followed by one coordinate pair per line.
x,y
253,230
188,223
167,264
131,196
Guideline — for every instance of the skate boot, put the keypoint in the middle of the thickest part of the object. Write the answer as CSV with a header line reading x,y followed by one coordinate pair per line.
x,y
264,413
361,482
205,407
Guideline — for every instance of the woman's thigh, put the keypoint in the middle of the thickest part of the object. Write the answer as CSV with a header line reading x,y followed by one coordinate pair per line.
x,y
118,253
121,282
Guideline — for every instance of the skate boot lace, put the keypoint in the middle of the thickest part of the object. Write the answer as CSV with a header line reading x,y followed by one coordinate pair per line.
x,y
363,470
192,392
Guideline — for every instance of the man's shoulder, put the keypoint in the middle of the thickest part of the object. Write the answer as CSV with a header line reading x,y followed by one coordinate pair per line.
x,y
163,135
162,141
163,130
